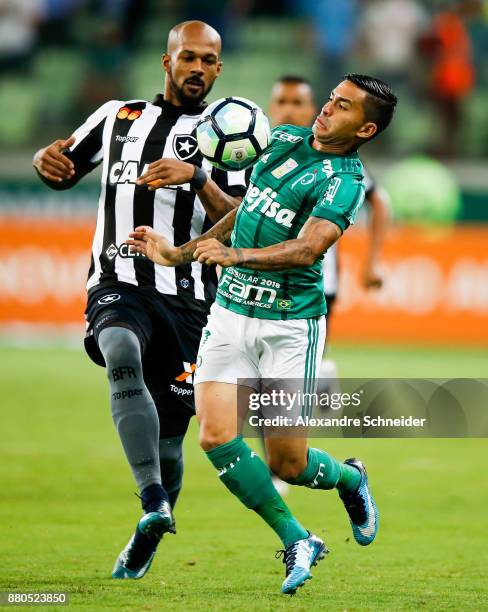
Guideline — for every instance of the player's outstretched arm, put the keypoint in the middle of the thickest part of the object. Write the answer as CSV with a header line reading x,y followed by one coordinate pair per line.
x,y
52,165
146,241
164,172
315,237
378,224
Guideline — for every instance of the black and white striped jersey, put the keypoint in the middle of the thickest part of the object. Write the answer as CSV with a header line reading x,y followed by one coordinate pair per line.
x,y
125,137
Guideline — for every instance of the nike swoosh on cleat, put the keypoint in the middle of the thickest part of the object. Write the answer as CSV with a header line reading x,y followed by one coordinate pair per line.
x,y
368,530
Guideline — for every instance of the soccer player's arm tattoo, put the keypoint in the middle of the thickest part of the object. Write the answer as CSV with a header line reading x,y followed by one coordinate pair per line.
x,y
221,231
315,237
146,241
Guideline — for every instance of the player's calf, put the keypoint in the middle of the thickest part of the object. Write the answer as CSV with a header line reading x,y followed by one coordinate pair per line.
x,y
171,462
133,410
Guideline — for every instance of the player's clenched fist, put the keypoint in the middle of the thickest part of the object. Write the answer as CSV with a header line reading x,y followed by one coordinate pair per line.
x,y
212,251
52,164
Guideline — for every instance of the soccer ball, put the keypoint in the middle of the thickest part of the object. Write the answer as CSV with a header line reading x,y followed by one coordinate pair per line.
x,y
232,133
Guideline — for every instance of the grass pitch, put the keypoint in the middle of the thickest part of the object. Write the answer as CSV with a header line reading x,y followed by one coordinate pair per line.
x,y
67,506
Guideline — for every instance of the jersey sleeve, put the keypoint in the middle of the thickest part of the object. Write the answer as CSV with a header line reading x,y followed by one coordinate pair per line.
x,y
87,150
340,200
233,183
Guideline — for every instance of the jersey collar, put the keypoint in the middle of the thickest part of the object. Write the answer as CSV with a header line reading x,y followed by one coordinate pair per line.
x,y
178,110
321,155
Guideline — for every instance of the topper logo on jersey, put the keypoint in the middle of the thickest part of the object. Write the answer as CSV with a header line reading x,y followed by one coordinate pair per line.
x,y
184,146
268,205
285,136
119,138
125,172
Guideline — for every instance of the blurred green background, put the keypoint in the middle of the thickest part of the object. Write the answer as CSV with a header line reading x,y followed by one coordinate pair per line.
x,y
61,59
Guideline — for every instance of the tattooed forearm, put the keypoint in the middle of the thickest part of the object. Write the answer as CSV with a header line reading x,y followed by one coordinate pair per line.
x,y
220,231
283,256
316,236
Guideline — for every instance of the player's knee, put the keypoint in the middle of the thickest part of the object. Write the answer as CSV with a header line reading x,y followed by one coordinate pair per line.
x,y
120,347
211,437
288,468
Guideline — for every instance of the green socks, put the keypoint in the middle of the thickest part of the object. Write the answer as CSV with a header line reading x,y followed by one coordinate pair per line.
x,y
325,472
248,478
278,516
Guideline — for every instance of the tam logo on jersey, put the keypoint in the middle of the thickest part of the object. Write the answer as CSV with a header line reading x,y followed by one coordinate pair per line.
x,y
245,292
268,205
248,289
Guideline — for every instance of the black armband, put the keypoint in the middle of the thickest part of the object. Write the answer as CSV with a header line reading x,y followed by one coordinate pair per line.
x,y
199,178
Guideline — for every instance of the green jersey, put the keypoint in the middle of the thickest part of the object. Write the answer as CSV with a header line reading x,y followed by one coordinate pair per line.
x,y
291,182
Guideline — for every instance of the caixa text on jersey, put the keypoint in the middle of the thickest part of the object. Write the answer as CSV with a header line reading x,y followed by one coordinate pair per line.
x,y
122,172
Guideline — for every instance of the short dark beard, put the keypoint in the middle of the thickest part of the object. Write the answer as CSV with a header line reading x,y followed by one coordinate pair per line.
x,y
180,95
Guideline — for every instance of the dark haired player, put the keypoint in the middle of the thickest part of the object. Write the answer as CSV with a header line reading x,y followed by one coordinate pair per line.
x,y
292,102
268,321
144,321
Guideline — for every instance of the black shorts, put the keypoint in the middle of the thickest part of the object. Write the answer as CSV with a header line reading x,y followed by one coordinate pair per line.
x,y
169,340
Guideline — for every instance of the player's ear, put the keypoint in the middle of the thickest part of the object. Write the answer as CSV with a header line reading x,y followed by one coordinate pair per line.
x,y
219,67
165,62
367,130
